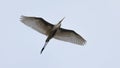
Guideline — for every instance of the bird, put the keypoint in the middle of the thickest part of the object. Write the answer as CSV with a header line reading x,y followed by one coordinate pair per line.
x,y
52,31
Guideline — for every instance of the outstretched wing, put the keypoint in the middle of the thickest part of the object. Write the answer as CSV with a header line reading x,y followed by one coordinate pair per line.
x,y
39,24
69,36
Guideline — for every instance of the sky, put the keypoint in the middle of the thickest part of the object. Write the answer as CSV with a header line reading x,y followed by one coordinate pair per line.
x,y
98,21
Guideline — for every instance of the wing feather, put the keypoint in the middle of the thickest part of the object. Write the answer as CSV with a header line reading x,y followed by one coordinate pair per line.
x,y
69,36
39,24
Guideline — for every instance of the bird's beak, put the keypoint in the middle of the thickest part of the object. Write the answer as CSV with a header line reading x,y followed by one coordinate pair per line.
x,y
61,21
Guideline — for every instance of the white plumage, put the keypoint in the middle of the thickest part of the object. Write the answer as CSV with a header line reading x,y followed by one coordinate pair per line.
x,y
53,31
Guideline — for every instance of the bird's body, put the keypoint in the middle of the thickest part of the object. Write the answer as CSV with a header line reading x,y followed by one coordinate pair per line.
x,y
53,31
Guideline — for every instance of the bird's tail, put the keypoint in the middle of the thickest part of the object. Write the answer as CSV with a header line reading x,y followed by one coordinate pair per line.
x,y
43,47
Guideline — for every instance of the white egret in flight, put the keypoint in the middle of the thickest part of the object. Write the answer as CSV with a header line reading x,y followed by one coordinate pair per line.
x,y
53,31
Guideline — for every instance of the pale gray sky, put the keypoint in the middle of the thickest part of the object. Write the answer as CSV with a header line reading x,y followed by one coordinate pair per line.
x,y
98,21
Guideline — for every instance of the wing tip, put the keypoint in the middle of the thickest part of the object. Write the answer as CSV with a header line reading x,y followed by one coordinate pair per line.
x,y
84,43
22,18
